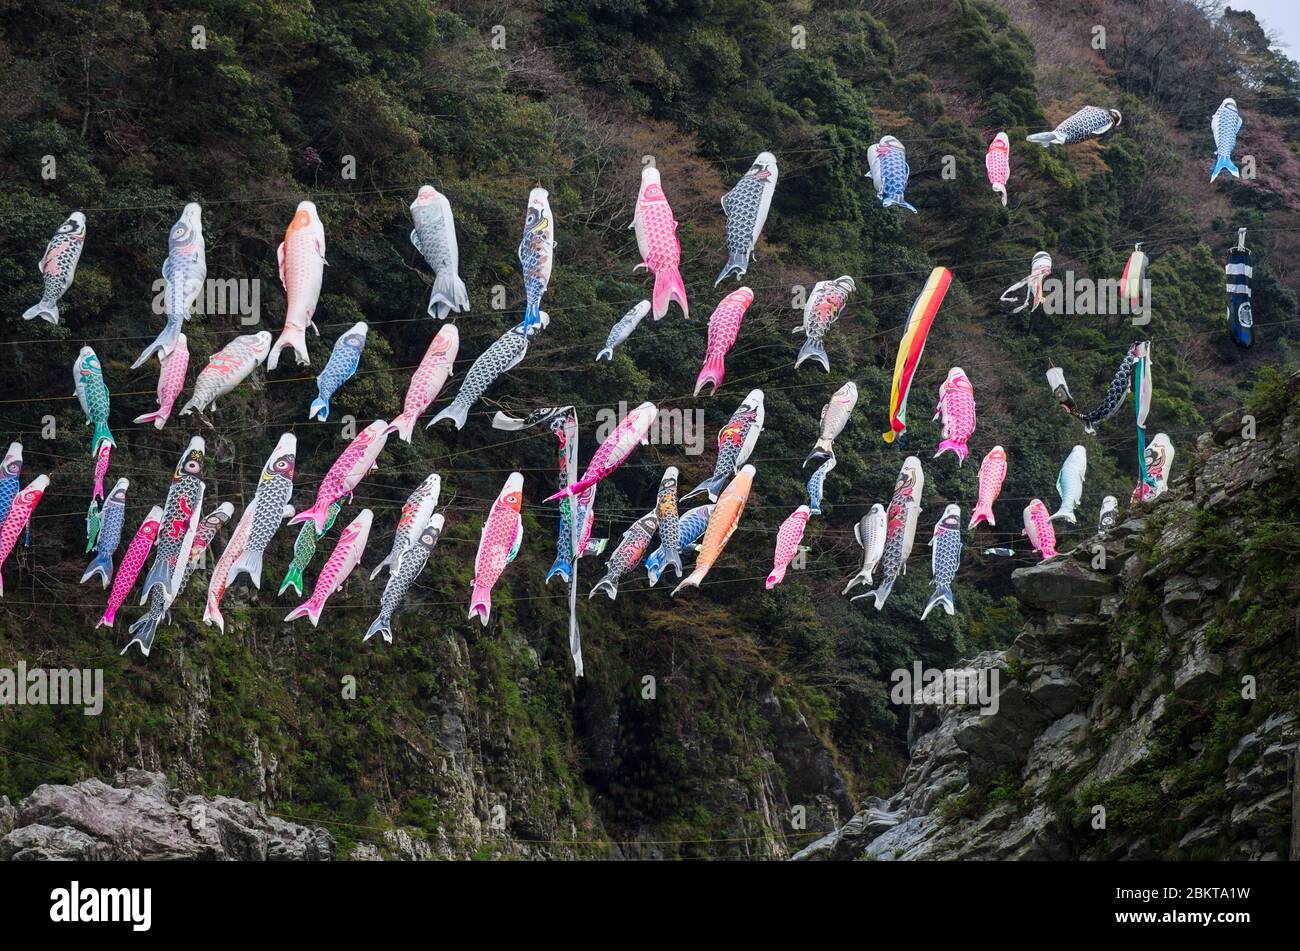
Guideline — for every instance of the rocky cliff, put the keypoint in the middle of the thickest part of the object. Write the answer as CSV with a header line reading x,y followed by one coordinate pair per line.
x,y
1148,710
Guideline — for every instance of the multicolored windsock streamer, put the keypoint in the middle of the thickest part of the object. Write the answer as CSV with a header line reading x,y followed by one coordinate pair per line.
x,y
910,348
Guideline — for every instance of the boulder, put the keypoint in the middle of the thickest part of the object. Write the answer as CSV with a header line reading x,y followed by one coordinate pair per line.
x,y
140,816
1061,586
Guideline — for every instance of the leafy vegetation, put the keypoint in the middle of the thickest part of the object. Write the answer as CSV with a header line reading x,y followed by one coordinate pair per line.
x,y
453,719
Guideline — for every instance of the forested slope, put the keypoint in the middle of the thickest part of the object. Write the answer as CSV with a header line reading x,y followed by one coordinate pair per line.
x,y
763,700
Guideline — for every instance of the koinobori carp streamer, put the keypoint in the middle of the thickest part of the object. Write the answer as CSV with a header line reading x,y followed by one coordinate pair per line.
x,y
1087,122
434,236
342,560
427,380
503,533
352,465
656,239
746,207
900,528
724,326
15,521
342,364
736,441
58,265
184,272
997,163
820,312
301,257
722,524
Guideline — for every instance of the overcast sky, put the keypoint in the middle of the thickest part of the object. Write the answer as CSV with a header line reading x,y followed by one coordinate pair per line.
x,y
1281,18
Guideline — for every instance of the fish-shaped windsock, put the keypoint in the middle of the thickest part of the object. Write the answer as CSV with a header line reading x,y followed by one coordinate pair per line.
x,y
1109,515
270,508
301,257
112,519
304,547
145,629
957,409
1241,315
536,255
351,466
58,265
993,470
498,544
226,369
209,526
19,514
102,459
1088,121
656,238
817,484
820,312
1039,530
1120,384
584,519
136,554
179,523
835,416
722,524
912,346
1040,268
997,162
627,555
736,441
563,422
11,470
746,207
1061,389
691,525
345,556
403,574
505,353
343,362
623,329
870,536
1159,462
427,380
184,272
1069,483
945,557
220,578
670,528
614,451
788,537
900,528
92,393
1132,281
415,515
724,326
171,380
434,236
94,519
1225,124
889,171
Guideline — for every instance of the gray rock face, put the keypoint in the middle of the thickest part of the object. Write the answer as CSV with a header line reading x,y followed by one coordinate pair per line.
x,y
1113,667
141,817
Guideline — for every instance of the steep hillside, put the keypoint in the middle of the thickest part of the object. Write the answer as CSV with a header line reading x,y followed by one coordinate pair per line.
x,y
479,740
1148,710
